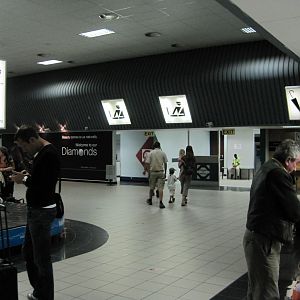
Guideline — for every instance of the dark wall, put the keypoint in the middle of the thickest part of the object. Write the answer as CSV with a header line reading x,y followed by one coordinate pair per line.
x,y
236,85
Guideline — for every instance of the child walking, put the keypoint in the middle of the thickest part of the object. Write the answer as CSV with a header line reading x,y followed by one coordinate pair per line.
x,y
171,184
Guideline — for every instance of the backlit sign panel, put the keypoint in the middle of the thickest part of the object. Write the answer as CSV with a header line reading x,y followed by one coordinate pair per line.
x,y
293,101
2,93
116,112
175,109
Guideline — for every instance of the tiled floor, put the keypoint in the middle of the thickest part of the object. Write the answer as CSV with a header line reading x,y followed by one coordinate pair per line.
x,y
178,252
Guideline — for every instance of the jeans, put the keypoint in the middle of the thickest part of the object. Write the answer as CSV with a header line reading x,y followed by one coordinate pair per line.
x,y
36,251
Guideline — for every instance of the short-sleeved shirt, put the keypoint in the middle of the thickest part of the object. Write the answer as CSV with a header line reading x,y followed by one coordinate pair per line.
x,y
157,159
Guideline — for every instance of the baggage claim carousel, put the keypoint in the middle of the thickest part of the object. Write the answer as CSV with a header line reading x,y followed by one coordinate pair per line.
x,y
69,237
16,219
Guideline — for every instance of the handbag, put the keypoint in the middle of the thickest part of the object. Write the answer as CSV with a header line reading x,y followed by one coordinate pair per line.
x,y
60,210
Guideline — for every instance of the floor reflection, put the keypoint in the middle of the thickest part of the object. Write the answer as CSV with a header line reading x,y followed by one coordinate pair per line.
x,y
289,272
78,238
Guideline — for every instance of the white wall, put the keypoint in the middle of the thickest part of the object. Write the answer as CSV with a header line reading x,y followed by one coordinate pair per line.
x,y
242,143
200,141
130,144
171,141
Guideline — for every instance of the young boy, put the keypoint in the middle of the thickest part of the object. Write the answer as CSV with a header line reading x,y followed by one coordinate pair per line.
x,y
171,184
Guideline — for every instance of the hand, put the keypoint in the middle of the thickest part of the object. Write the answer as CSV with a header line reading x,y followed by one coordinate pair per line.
x,y
17,177
25,172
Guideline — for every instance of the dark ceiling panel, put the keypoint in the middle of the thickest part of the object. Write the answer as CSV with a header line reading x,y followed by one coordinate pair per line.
x,y
236,85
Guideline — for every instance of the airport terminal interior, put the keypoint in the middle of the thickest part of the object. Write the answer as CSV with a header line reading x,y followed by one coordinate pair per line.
x,y
124,249
102,81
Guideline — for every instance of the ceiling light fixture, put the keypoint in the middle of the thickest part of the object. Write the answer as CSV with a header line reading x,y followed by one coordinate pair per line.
x,y
109,16
248,30
96,33
177,45
49,62
153,34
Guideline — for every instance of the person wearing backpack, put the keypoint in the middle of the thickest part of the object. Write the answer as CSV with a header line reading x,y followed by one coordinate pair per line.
x,y
189,163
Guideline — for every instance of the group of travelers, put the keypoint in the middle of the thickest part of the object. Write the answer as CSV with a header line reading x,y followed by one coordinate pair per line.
x,y
156,166
273,208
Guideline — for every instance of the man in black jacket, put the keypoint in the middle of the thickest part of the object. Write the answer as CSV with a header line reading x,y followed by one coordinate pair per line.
x,y
41,210
273,208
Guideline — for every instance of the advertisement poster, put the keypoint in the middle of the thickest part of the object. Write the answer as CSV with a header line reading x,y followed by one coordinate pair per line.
x,y
84,155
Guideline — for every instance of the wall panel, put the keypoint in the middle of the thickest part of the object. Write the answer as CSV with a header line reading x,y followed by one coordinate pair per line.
x,y
235,85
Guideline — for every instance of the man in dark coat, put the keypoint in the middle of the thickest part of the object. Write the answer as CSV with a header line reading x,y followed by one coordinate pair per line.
x,y
273,209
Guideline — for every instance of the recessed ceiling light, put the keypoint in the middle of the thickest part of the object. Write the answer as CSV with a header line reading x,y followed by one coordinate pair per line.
x,y
49,62
248,30
176,45
109,16
152,34
95,33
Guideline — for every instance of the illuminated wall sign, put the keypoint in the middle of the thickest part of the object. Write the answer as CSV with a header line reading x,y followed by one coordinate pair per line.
x,y
175,109
116,112
149,133
2,93
293,101
228,131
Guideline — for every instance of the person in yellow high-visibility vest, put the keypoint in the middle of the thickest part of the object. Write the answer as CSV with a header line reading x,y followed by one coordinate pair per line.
x,y
235,170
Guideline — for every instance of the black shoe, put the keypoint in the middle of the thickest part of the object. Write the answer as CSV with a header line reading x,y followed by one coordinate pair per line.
x,y
31,297
149,201
161,205
157,194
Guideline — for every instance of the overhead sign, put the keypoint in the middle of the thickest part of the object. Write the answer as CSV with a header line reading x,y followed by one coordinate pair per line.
x,y
116,112
149,133
230,131
175,109
293,101
2,93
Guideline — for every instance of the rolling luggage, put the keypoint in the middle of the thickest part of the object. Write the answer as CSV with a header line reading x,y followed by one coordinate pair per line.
x,y
8,272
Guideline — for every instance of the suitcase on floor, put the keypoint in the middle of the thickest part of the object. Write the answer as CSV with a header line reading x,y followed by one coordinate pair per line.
x,y
8,272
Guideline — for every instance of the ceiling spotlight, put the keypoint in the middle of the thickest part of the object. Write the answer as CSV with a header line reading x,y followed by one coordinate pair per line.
x,y
248,30
109,16
153,34
177,45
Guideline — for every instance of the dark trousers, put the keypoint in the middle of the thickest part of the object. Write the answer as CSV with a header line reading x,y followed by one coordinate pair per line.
x,y
263,259
36,251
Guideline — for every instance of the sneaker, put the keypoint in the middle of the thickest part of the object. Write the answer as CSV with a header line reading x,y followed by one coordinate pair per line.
x,y
149,201
161,205
31,297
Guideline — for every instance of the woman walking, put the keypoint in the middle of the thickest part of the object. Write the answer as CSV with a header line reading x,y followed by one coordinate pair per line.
x,y
188,168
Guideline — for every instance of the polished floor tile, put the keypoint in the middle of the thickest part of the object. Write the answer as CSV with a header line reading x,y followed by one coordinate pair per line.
x,y
191,252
